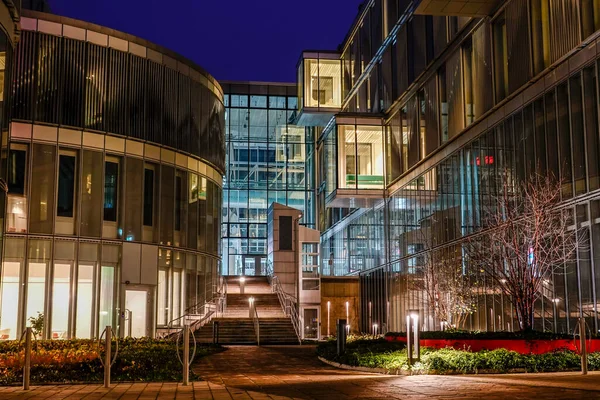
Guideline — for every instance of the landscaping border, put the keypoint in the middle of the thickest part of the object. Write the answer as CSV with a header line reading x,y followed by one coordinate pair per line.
x,y
364,369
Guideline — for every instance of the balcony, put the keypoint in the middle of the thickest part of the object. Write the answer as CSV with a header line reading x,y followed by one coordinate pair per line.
x,y
319,88
458,8
353,162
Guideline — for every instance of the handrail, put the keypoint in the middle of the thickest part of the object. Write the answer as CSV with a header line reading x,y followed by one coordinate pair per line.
x,y
256,326
288,304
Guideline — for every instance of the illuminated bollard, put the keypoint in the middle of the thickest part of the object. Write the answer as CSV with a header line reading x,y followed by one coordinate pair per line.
x,y
242,285
341,336
107,356
413,348
27,366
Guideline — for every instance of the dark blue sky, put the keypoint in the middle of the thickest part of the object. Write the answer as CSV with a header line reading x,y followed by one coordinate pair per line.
x,y
250,40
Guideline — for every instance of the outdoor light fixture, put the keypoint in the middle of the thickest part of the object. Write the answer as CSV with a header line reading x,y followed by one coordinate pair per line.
x,y
348,317
251,308
412,337
374,329
242,284
328,310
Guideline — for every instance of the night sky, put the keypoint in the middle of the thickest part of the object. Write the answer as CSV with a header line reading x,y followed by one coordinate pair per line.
x,y
246,40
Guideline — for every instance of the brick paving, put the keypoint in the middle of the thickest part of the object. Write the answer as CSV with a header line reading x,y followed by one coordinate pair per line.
x,y
252,373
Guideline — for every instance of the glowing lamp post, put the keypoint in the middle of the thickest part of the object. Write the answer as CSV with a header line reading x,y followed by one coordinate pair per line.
x,y
328,312
347,318
412,337
251,307
242,284
375,327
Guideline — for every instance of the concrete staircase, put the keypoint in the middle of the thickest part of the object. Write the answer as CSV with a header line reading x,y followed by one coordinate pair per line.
x,y
236,327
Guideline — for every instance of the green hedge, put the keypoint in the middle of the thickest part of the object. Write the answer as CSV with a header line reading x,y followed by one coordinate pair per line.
x,y
461,334
65,361
392,356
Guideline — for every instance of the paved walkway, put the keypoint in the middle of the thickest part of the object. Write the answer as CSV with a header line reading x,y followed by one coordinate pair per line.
x,y
294,372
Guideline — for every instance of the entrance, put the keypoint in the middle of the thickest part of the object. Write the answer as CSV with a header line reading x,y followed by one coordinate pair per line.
x,y
137,302
311,323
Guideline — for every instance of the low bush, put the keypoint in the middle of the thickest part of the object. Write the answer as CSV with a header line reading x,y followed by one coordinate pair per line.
x,y
66,361
392,356
452,334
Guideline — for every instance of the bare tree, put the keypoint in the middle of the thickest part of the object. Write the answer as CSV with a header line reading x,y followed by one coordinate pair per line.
x,y
448,286
526,237
440,276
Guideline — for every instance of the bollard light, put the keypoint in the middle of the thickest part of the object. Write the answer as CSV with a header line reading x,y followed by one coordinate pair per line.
x,y
242,284
412,337
328,319
251,307
348,317
375,329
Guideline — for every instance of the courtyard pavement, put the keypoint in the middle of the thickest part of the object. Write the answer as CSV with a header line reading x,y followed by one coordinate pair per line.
x,y
281,372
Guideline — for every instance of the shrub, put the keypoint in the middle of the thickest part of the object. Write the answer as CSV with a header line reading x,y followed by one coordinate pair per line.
x,y
78,361
393,356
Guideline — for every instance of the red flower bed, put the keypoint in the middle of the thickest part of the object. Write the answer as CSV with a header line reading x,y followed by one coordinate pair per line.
x,y
523,346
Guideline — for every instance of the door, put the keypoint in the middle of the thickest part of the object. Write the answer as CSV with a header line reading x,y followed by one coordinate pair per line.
x,y
137,312
311,323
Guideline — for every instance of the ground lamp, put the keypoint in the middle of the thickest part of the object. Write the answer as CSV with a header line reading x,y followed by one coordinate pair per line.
x,y
413,349
251,307
242,284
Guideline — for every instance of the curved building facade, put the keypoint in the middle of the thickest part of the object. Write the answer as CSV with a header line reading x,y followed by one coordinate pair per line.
x,y
113,158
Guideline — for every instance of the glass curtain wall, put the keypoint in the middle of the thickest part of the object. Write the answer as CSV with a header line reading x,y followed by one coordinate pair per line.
x,y
269,160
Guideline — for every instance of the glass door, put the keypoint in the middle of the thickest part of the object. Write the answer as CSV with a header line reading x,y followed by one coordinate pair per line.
x,y
311,323
137,312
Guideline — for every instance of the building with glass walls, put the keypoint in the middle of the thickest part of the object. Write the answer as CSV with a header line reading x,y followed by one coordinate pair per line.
x,y
438,99
113,159
269,159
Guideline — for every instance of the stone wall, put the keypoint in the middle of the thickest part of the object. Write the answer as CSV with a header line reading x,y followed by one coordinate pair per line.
x,y
337,291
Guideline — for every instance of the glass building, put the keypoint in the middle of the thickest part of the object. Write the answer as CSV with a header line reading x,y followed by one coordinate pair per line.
x,y
269,159
113,158
438,100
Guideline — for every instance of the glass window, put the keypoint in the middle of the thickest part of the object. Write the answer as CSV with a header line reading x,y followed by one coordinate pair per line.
x,y
39,259
477,75
42,198
86,282
180,207
17,168
64,259
111,189
361,156
591,126
132,228
163,293
590,17
16,209
258,101
12,268
91,194
500,58
192,214
151,196
577,134
322,82
111,256
167,204
540,34
66,184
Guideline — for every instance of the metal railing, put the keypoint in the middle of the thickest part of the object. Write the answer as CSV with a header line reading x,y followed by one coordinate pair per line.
x,y
288,304
256,326
198,315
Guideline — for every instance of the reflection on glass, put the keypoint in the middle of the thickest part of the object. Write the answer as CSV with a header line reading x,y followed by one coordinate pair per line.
x,y
163,307
361,157
61,296
322,83
10,295
36,290
107,284
85,287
